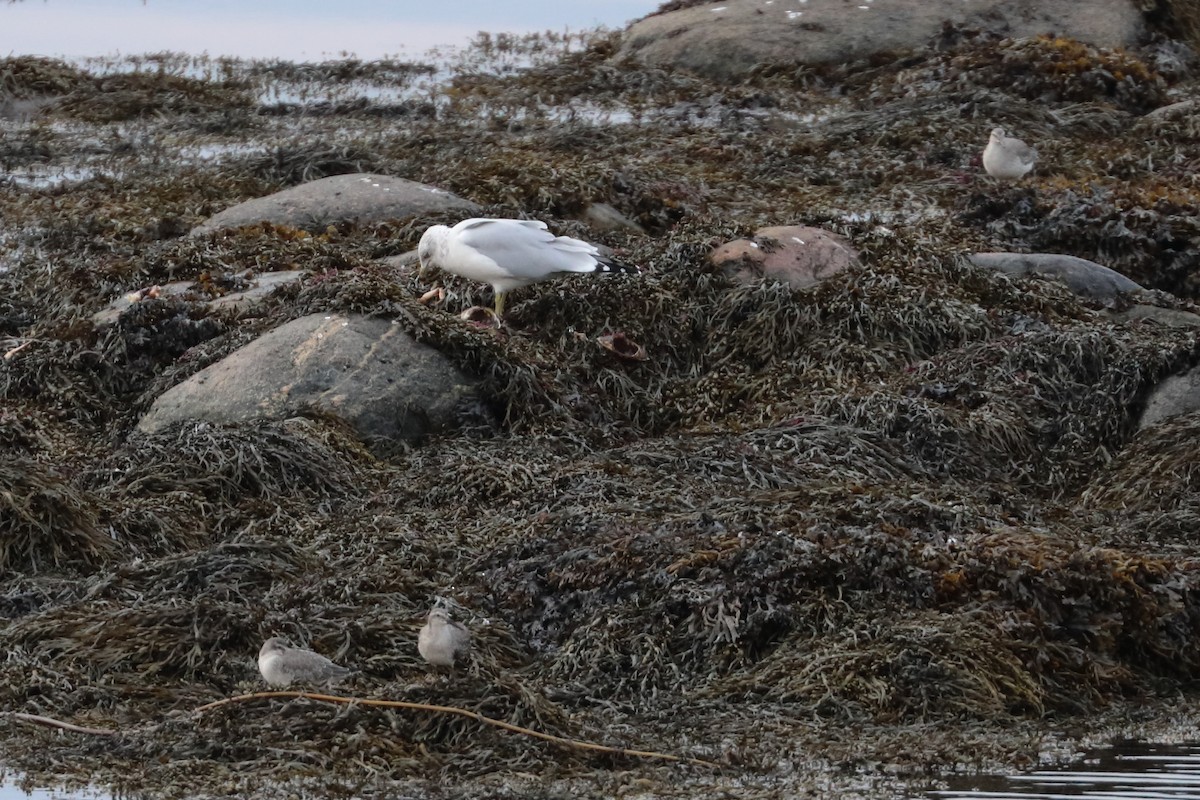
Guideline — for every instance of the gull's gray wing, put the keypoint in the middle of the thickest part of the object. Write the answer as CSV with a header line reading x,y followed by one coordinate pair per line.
x,y
524,248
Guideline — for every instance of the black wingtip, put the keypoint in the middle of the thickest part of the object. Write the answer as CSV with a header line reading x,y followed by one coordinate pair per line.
x,y
611,265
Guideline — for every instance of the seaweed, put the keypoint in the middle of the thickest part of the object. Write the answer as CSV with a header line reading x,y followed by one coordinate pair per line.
x,y
911,500
46,522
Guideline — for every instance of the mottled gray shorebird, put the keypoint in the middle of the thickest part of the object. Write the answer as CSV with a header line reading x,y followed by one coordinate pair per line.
x,y
442,640
509,254
1007,158
281,665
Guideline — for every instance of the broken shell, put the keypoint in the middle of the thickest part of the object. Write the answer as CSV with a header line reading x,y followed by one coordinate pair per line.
x,y
623,347
149,293
436,294
480,315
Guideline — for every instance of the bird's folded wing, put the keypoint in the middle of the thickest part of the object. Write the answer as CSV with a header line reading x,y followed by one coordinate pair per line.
x,y
526,250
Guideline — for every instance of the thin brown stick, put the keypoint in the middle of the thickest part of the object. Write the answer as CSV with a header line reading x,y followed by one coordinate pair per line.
x,y
50,722
463,712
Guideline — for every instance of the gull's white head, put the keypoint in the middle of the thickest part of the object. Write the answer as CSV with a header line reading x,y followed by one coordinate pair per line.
x,y
429,250
998,134
273,646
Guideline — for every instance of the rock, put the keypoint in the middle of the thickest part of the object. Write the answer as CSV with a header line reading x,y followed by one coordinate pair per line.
x,y
728,39
261,285
797,255
603,217
1178,394
1184,108
1170,56
366,370
1084,278
112,312
357,197
1169,317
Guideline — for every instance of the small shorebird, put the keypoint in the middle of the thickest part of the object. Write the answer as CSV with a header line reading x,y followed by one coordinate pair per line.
x,y
442,640
1007,158
282,665
509,254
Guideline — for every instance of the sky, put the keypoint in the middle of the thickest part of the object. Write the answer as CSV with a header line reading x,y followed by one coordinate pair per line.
x,y
301,30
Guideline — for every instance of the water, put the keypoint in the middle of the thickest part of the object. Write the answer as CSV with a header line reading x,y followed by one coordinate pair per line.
x,y
9,791
302,30
1127,771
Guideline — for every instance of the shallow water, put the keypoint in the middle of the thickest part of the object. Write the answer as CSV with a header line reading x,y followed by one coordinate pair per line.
x,y
9,791
303,31
1121,772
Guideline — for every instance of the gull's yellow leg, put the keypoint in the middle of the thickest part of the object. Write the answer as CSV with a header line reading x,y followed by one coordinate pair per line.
x,y
499,305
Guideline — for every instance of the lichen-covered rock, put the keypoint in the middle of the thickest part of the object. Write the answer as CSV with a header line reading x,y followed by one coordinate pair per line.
x,y
358,197
365,370
798,255
1083,277
727,40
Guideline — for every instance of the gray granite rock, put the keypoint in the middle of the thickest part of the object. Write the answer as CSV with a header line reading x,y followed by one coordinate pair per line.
x,y
358,197
726,40
365,370
262,285
1084,278
1169,317
1178,394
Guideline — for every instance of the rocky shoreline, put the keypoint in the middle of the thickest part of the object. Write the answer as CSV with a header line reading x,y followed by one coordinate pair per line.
x,y
880,469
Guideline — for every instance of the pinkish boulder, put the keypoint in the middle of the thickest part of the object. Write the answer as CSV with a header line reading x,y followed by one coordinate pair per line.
x,y
797,255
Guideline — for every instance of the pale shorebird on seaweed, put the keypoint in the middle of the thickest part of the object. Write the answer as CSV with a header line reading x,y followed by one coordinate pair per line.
x,y
281,665
509,254
1007,158
442,641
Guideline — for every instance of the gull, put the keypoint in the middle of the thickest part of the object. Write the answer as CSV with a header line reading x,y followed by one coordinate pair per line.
x,y
509,253
1007,158
282,665
441,640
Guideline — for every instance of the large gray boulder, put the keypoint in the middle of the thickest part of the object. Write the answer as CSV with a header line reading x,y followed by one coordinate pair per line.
x,y
365,370
1084,278
358,197
725,40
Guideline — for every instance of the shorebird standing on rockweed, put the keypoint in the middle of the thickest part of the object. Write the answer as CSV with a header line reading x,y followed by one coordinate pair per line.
x,y
442,640
1007,158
